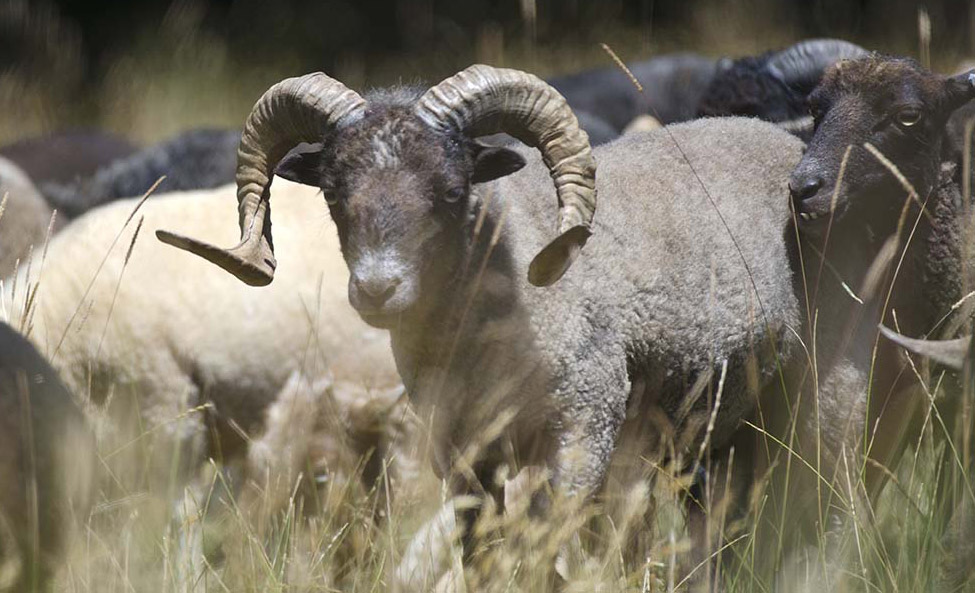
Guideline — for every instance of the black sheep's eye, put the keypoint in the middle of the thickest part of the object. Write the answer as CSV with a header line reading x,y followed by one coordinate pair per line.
x,y
908,117
330,198
454,194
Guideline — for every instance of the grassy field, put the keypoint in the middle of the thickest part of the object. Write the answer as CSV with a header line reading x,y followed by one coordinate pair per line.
x,y
346,537
339,535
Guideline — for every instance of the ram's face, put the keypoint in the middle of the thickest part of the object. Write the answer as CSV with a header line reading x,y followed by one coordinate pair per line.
x,y
398,194
894,106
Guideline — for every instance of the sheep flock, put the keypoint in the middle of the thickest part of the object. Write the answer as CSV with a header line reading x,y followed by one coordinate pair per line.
x,y
692,323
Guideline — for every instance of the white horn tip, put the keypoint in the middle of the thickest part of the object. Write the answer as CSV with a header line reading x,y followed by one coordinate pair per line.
x,y
554,259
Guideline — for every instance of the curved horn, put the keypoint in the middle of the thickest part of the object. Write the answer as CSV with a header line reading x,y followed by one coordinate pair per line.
x,y
950,353
485,100
295,110
803,64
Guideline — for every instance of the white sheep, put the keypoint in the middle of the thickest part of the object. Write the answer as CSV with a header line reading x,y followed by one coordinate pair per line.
x,y
130,321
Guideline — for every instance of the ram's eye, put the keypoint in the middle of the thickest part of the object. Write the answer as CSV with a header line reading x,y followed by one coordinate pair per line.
x,y
908,117
330,198
453,194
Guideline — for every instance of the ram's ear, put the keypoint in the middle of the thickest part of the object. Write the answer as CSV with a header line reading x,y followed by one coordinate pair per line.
x,y
961,90
302,165
491,162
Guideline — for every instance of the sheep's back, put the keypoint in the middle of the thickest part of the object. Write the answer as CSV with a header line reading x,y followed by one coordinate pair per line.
x,y
688,263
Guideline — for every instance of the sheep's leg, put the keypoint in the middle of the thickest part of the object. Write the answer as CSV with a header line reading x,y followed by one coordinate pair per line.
x,y
597,400
433,554
959,540
714,501
595,407
188,513
277,458
831,428
175,434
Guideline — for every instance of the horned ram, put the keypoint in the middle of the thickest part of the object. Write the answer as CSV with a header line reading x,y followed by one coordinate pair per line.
x,y
685,277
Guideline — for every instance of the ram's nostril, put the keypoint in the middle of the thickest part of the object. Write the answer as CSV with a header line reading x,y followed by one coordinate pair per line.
x,y
804,189
386,294
377,289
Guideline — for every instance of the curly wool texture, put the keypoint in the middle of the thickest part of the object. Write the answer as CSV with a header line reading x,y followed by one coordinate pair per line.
x,y
746,87
660,297
675,298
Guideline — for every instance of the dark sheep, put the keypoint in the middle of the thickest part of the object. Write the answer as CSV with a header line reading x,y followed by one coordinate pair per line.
x,y
774,85
672,86
66,157
197,159
863,389
46,465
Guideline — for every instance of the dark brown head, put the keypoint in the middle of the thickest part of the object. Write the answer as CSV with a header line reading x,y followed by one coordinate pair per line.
x,y
399,192
894,105
396,170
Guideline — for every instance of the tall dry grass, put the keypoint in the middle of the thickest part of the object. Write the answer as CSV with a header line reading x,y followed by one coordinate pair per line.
x,y
350,538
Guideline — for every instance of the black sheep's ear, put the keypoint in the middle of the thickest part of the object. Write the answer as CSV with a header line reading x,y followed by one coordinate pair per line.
x,y
961,90
302,165
492,162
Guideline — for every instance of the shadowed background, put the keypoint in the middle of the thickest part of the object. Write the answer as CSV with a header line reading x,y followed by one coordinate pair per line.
x,y
150,69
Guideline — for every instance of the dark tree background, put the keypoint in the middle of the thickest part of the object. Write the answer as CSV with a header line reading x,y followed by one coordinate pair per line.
x,y
149,68
326,29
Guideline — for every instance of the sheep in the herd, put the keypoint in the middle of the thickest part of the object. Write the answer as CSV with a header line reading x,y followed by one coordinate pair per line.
x,y
24,217
774,86
673,85
197,159
871,255
163,335
65,157
438,232
47,464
